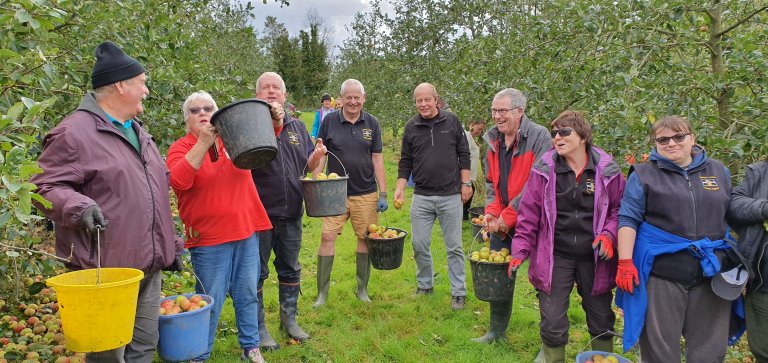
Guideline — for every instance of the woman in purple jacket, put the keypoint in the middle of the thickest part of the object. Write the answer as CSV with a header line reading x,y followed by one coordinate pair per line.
x,y
567,227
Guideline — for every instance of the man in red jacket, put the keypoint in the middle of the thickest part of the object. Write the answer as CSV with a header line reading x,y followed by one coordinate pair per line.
x,y
514,144
100,167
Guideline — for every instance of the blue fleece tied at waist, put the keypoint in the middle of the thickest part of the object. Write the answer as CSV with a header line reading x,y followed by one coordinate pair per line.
x,y
651,242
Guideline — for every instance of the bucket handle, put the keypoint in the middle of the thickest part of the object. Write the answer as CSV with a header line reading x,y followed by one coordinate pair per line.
x,y
326,164
474,239
98,254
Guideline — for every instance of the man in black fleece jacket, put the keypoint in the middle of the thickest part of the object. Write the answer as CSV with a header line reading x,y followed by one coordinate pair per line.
x,y
435,150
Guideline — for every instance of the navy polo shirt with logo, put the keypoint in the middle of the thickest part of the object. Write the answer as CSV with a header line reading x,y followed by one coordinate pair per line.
x,y
353,144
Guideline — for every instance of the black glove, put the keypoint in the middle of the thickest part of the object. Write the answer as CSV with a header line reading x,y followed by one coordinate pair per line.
x,y
176,266
91,218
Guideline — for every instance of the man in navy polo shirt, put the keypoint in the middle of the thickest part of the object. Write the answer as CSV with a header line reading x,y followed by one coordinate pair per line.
x,y
354,136
280,192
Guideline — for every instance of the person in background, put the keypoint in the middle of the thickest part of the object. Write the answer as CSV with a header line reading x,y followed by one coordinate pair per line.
x,y
320,114
515,143
354,136
434,149
474,155
566,224
220,224
339,103
101,168
672,225
748,215
281,194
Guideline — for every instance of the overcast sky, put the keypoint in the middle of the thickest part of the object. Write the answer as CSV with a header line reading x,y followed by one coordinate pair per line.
x,y
337,14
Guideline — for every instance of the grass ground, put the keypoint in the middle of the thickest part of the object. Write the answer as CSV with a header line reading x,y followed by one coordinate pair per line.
x,y
397,326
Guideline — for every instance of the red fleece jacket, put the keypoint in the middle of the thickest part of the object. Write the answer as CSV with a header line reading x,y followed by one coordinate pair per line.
x,y
218,203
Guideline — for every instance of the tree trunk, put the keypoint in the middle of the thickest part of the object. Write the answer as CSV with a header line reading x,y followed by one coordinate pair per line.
x,y
718,68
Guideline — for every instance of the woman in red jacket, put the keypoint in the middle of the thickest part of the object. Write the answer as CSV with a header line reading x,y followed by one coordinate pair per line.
x,y
222,212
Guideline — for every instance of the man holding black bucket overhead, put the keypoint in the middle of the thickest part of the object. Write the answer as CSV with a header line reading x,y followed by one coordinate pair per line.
x,y
354,136
280,190
101,168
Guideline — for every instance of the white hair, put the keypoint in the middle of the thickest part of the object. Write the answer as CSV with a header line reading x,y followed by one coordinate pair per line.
x,y
516,98
352,83
270,74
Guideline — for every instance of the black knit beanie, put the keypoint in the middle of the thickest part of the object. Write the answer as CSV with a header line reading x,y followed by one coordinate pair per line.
x,y
113,65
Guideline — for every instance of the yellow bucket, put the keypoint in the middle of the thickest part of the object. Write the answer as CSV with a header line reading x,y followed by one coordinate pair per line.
x,y
94,317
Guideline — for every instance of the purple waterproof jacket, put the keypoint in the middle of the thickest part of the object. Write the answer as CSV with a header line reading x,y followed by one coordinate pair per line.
x,y
87,161
535,228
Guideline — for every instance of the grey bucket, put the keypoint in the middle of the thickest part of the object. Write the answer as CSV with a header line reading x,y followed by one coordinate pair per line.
x,y
246,129
475,212
386,253
325,198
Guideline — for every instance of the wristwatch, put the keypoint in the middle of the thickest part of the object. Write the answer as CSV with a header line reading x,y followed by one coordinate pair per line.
x,y
467,184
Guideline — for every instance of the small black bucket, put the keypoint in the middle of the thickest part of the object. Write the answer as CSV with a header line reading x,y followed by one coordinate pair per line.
x,y
476,228
475,212
327,197
386,253
246,129
491,282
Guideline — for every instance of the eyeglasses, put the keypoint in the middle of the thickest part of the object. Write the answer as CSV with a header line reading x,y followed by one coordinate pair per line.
x,y
565,131
196,110
664,140
501,111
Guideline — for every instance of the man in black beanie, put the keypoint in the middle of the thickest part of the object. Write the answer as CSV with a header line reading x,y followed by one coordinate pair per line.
x,y
101,168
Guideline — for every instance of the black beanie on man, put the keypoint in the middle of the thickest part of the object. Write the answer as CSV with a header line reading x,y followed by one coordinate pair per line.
x,y
113,65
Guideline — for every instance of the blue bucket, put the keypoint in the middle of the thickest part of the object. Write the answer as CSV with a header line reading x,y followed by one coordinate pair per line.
x,y
583,357
184,336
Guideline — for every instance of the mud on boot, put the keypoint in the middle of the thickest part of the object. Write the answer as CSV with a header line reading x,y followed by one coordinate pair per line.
x,y
289,298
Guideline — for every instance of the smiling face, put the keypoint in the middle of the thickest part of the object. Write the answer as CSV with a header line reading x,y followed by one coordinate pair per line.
x,y
677,152
270,88
354,99
506,118
133,91
568,145
425,98
476,129
199,113
327,104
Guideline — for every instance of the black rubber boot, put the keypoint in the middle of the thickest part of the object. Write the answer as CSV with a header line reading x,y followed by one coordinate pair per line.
x,y
324,266
289,298
501,311
363,275
267,343
603,345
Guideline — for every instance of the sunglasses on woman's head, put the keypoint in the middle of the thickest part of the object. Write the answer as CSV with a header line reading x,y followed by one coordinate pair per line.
x,y
664,140
565,131
196,110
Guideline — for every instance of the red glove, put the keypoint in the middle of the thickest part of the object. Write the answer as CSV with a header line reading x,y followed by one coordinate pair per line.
x,y
605,247
513,266
626,276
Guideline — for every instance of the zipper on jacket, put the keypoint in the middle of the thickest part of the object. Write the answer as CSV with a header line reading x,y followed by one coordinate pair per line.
x,y
759,266
152,196
432,135
282,166
693,201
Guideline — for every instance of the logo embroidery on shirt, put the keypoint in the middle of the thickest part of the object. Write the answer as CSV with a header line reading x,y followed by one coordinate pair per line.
x,y
709,182
293,138
589,187
367,134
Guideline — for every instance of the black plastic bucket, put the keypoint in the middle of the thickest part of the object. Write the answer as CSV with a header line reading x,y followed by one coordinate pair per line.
x,y
476,228
475,212
491,282
386,253
246,129
326,197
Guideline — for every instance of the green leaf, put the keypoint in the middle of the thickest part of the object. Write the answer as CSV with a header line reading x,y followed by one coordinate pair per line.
x,y
13,187
15,110
11,254
39,198
7,53
23,16
36,287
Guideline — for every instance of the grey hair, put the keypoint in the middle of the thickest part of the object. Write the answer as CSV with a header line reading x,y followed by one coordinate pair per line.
x,y
516,98
105,90
352,83
273,74
197,96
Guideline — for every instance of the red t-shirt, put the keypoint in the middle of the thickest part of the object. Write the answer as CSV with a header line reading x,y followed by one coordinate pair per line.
x,y
218,203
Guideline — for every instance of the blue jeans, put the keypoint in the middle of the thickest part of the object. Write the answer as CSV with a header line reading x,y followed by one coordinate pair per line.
x,y
446,209
231,267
